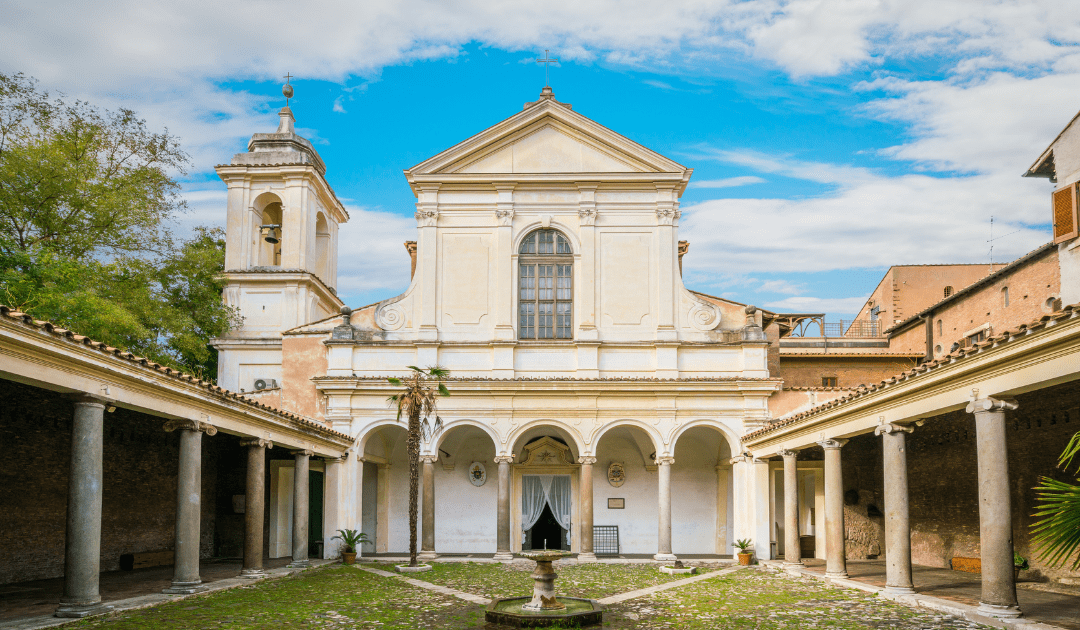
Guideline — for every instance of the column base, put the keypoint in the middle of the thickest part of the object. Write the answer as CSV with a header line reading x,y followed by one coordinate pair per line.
x,y
78,611
586,557
253,574
299,564
665,557
899,590
839,575
184,588
426,555
503,556
1002,612
793,565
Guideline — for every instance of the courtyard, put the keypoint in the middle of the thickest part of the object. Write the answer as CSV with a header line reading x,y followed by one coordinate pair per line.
x,y
366,596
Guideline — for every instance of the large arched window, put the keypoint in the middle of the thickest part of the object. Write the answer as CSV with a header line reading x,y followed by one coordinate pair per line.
x,y
545,286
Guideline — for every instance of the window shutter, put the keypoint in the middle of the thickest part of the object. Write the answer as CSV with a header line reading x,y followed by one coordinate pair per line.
x,y
1064,212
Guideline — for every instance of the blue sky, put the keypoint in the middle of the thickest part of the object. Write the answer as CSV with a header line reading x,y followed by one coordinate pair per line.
x,y
829,138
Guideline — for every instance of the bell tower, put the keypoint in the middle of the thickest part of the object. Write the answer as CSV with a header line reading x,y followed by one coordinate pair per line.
x,y
281,250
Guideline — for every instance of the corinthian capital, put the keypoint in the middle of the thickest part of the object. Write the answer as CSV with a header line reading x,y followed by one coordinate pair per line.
x,y
985,405
586,459
429,459
427,218
504,459
786,453
185,424
832,443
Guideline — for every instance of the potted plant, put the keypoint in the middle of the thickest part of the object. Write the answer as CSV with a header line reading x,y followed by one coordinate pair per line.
x,y
744,554
1020,563
352,540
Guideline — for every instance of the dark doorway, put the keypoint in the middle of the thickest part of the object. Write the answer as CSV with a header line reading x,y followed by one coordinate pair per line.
x,y
547,528
315,513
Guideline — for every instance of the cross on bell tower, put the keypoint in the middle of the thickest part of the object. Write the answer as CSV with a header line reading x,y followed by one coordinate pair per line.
x,y
547,61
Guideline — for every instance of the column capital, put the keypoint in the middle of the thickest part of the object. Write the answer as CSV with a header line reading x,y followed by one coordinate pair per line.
x,y
429,459
83,398
892,427
991,405
306,452
787,452
832,444
741,459
336,460
257,442
586,459
665,461
185,424
504,459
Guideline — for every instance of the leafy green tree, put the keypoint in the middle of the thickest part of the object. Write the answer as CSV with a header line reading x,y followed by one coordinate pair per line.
x,y
85,200
417,402
1057,534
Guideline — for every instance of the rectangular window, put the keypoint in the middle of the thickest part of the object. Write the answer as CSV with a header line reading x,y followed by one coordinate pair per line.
x,y
563,320
828,381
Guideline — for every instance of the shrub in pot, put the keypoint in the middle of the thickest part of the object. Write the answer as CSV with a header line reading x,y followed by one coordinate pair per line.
x,y
745,555
352,540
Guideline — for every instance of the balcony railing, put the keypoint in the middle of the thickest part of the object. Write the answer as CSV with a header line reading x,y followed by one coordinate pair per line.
x,y
845,328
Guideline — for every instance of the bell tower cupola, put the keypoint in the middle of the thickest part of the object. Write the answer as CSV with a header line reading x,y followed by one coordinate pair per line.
x,y
281,249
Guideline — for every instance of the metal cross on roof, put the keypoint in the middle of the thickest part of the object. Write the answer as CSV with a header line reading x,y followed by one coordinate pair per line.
x,y
547,61
286,89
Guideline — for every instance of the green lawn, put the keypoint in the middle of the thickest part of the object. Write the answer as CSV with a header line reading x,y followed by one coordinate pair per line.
x,y
345,597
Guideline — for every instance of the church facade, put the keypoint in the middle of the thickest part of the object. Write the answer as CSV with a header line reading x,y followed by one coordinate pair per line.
x,y
547,280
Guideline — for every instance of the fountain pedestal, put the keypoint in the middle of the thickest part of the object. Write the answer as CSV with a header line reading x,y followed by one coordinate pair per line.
x,y
544,583
544,609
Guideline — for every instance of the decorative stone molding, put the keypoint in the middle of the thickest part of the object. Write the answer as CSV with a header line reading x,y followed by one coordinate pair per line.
x,y
504,459
259,442
303,451
891,427
390,316
429,459
985,405
427,218
505,217
704,316
786,453
667,216
189,425
586,459
832,444
587,216
665,461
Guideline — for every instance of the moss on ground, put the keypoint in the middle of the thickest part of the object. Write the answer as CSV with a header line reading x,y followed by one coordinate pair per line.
x,y
344,597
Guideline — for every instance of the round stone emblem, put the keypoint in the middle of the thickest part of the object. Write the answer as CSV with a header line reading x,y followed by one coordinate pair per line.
x,y
616,476
477,474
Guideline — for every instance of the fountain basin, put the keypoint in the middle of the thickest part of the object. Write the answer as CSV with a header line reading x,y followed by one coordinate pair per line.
x,y
577,612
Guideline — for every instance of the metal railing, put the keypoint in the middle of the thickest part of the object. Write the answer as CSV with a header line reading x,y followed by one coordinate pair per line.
x,y
845,328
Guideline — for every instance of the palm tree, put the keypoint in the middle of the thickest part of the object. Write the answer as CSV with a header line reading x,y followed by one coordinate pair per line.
x,y
417,402
1057,534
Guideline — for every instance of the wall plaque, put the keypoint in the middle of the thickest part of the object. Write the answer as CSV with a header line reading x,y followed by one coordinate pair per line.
x,y
616,475
477,474
616,504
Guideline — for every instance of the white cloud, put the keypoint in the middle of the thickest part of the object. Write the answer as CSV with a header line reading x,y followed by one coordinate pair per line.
x,y
807,304
371,254
727,182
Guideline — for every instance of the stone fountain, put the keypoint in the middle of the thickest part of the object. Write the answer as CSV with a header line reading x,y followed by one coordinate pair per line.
x,y
544,609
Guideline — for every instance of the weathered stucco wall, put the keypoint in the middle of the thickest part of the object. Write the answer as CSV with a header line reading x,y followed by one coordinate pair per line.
x,y
302,358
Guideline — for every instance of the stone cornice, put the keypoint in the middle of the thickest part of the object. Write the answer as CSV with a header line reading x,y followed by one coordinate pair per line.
x,y
229,172
266,275
734,386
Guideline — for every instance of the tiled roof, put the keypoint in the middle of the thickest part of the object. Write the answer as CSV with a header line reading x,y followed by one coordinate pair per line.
x,y
147,364
819,389
1008,336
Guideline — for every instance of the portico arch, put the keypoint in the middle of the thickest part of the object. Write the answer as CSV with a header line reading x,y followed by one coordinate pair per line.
x,y
702,502
654,437
528,430
733,441
626,485
384,504
464,489
450,425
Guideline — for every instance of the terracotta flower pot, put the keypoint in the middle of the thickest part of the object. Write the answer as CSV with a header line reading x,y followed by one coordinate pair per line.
x,y
348,557
744,559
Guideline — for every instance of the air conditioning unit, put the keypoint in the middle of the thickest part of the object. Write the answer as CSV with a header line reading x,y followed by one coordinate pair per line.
x,y
265,383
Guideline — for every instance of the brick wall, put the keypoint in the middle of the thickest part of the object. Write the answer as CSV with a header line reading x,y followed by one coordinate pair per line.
x,y
850,371
943,479
138,497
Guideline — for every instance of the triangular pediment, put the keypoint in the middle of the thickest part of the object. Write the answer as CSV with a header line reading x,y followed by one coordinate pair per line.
x,y
546,138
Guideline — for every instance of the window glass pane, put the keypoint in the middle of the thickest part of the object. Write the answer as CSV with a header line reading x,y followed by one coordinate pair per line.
x,y
547,242
528,246
563,283
546,282
528,282
527,320
563,320
563,247
545,321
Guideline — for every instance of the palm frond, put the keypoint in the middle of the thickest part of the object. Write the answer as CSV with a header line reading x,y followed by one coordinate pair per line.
x,y
443,391
438,371
1056,536
414,368
394,381
1072,449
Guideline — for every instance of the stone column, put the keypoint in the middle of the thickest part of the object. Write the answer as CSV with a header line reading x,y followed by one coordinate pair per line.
x,y
502,548
82,554
836,558
664,551
254,505
300,506
186,579
792,550
585,551
897,523
995,508
427,516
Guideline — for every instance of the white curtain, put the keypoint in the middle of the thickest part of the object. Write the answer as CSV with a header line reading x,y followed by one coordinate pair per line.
x,y
540,490
559,500
533,500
